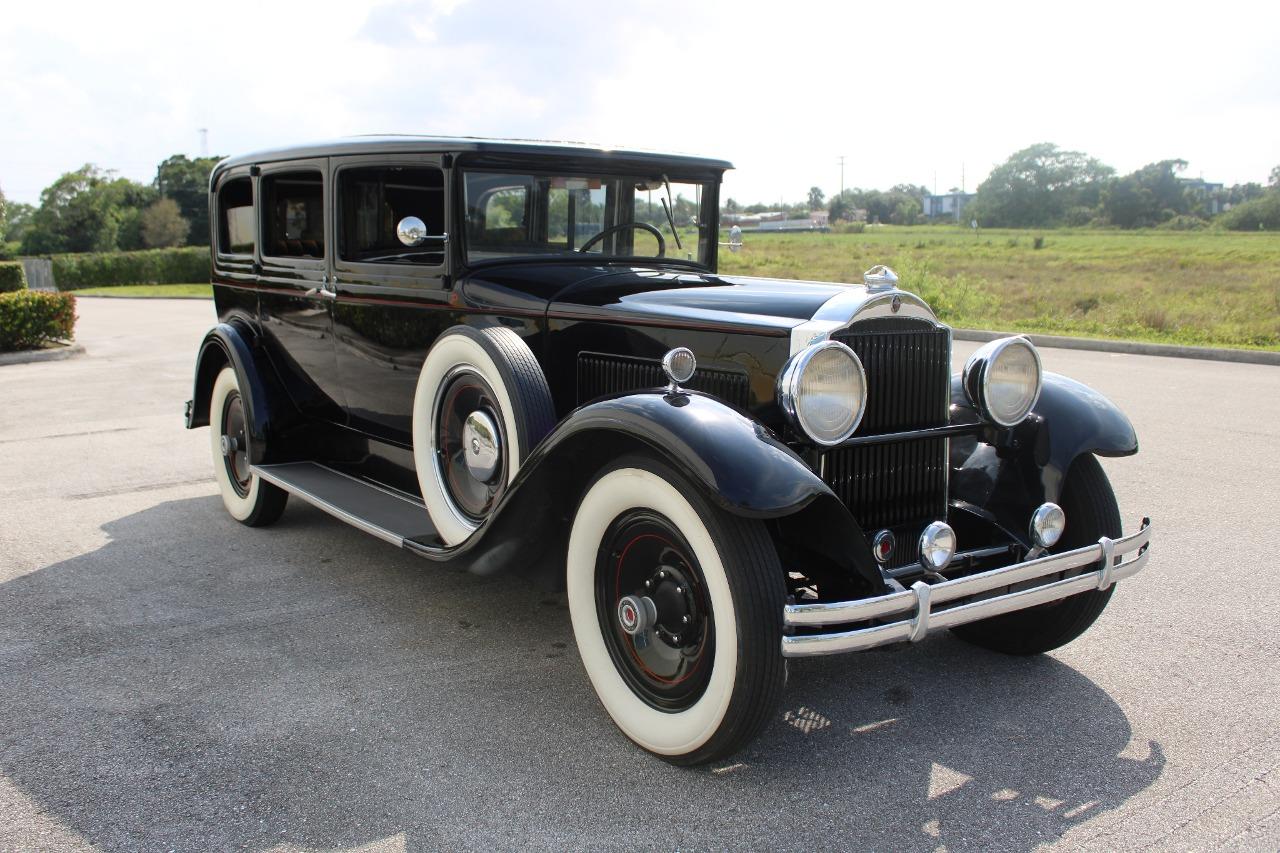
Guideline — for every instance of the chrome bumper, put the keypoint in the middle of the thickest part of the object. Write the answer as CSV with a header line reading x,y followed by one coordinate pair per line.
x,y
922,608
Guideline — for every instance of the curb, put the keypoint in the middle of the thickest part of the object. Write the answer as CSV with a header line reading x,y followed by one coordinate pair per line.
x,y
1237,356
149,298
33,355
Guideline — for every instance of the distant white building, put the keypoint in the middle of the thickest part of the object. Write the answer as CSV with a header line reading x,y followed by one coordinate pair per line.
x,y
948,206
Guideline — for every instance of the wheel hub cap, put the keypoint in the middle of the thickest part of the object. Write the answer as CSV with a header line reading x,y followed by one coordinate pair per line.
x,y
482,445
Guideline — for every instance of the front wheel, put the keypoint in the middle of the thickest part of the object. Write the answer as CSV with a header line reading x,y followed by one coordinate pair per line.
x,y
1091,510
677,611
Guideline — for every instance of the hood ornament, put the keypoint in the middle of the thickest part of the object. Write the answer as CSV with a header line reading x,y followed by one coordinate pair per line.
x,y
879,278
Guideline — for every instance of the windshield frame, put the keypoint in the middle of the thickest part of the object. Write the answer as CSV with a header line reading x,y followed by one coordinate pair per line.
x,y
707,218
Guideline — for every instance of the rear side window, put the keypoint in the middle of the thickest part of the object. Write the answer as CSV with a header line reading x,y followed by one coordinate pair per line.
x,y
235,217
372,202
293,213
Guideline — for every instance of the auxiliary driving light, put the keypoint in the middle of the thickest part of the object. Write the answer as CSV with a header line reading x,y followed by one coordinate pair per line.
x,y
1047,524
937,546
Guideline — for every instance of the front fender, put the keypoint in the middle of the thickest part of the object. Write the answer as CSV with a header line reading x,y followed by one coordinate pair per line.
x,y
737,463
1069,419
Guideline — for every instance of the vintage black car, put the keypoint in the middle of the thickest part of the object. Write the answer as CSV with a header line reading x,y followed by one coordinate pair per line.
x,y
513,355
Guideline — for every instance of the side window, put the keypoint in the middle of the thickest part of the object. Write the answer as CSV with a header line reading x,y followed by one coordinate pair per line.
x,y
372,202
293,214
235,217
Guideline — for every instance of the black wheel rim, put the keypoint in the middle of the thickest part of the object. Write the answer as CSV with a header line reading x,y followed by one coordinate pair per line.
x,y
467,392
235,444
644,555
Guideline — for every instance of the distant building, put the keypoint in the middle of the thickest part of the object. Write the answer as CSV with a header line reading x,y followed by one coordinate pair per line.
x,y
948,206
1209,193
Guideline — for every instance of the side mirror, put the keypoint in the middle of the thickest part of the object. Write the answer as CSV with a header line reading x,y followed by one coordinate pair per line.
x,y
735,239
412,231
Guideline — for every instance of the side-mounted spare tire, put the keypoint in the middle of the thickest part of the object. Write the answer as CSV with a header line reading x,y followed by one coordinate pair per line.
x,y
481,406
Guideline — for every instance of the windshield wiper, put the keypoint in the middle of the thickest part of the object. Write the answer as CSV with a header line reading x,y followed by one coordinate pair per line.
x,y
670,216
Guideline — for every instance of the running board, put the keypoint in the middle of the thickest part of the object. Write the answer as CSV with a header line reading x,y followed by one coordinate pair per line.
x,y
391,516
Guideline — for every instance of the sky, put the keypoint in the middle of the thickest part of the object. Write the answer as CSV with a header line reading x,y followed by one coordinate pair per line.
x,y
932,94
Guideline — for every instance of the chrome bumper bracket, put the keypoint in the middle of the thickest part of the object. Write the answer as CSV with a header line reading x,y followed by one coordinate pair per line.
x,y
910,614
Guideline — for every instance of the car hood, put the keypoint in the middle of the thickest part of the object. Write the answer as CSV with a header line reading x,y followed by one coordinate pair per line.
x,y
646,294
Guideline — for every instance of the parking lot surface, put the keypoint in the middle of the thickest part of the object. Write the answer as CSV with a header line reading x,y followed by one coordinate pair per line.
x,y
171,680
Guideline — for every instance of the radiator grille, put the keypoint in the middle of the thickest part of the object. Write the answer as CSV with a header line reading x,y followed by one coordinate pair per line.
x,y
908,374
600,374
901,486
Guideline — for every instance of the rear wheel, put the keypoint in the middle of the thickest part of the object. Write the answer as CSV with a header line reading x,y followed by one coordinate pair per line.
x,y
246,496
1092,512
677,612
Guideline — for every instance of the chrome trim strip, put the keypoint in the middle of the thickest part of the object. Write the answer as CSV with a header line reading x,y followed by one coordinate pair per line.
x,y
337,512
921,600
912,434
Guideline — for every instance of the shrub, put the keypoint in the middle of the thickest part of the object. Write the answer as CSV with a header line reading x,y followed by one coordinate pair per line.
x,y
1184,223
29,318
12,277
1260,214
150,266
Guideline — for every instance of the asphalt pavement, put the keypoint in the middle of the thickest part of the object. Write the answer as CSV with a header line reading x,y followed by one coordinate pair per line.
x,y
171,680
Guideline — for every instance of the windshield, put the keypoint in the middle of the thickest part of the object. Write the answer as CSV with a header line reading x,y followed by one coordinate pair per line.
x,y
606,216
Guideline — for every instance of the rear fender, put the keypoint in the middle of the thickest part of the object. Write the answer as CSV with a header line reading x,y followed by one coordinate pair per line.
x,y
1009,481
734,461
234,344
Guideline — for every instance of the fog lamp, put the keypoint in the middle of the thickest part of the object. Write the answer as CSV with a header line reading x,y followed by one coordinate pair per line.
x,y
937,546
1047,524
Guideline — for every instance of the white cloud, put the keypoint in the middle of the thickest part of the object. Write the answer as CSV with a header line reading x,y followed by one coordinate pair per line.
x,y
903,90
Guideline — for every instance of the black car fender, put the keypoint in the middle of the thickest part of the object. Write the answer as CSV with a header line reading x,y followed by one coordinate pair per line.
x,y
232,344
1008,473
735,461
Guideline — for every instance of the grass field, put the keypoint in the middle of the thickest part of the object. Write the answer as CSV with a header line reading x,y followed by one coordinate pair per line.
x,y
1206,288
154,290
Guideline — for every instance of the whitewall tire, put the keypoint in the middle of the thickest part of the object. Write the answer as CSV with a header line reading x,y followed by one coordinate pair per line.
x,y
249,500
724,683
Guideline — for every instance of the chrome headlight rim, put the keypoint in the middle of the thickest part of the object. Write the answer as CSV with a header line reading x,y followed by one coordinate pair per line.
x,y
977,376
789,389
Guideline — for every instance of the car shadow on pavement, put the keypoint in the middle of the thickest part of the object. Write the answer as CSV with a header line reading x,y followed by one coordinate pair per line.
x,y
194,684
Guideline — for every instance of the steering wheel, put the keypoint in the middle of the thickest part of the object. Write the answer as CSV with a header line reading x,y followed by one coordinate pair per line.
x,y
644,226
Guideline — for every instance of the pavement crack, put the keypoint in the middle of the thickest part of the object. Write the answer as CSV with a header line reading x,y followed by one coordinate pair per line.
x,y
146,487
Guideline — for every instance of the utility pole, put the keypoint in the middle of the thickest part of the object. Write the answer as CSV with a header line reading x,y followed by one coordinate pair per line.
x,y
842,176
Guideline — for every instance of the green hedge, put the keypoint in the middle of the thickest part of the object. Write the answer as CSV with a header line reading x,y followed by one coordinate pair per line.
x,y
12,277
151,266
29,318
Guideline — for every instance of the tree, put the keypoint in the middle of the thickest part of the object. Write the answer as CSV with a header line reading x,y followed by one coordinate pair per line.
x,y
1148,196
186,181
839,210
1037,185
816,198
731,206
84,211
162,225
18,220
4,222
1274,181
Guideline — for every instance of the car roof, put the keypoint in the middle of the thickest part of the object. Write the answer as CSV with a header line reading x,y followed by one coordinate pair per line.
x,y
405,144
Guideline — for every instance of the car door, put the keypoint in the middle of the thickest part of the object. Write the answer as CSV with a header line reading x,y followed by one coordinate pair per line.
x,y
392,299
295,297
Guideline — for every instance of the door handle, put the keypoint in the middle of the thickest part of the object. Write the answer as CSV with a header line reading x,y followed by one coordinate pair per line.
x,y
321,291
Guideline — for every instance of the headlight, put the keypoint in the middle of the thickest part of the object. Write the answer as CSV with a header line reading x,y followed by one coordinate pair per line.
x,y
823,390
1002,380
